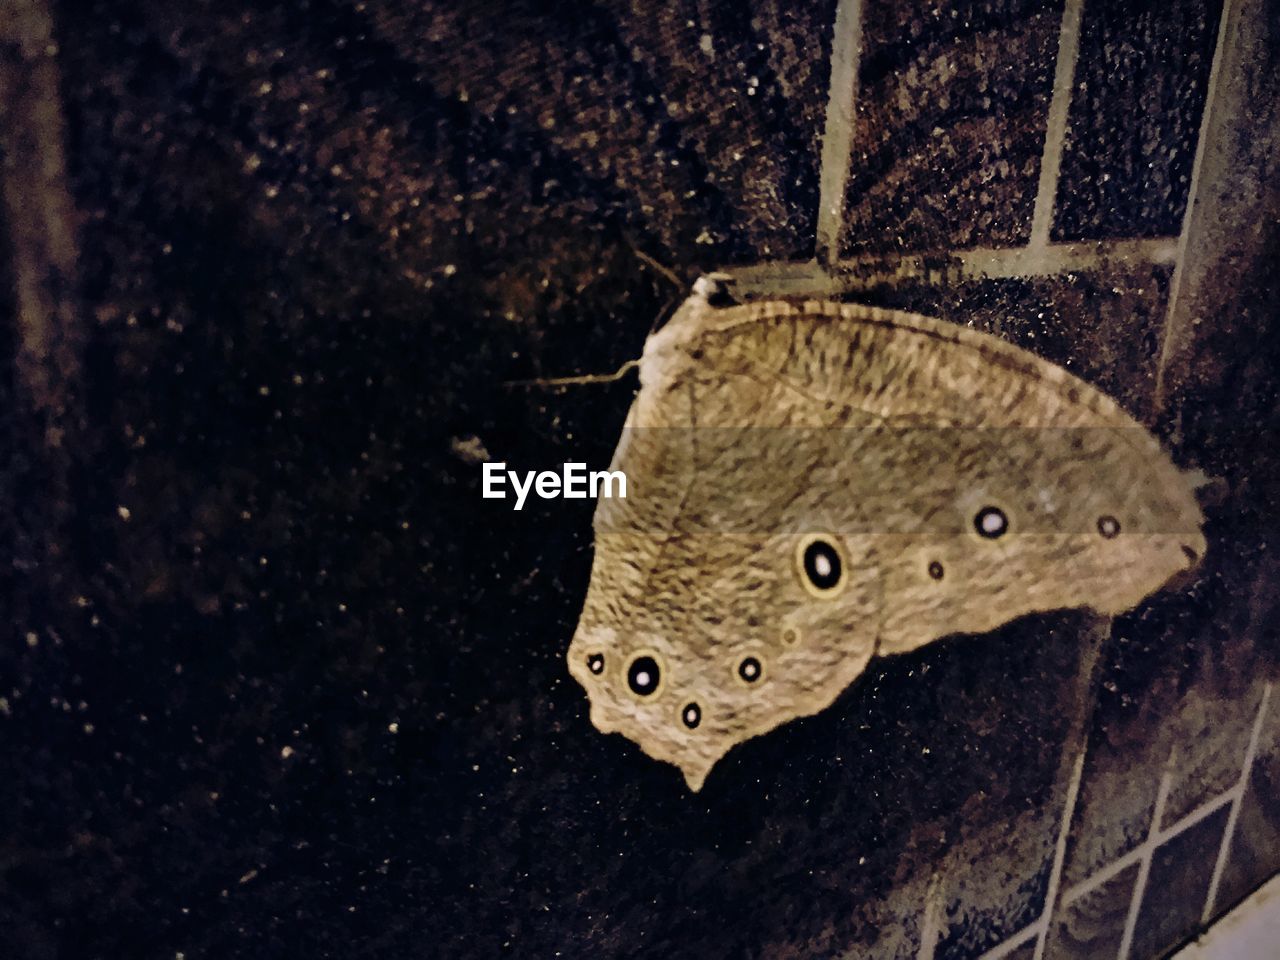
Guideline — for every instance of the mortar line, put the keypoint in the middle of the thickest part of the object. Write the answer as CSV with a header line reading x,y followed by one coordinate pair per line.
x,y
1246,770
873,270
1060,850
1226,22
1144,865
1039,928
931,921
1055,132
837,134
1013,943
1119,865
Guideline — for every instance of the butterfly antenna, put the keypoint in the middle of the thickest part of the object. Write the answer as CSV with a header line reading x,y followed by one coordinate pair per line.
x,y
614,377
660,269
666,273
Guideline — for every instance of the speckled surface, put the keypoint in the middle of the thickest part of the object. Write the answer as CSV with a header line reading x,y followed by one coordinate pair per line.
x,y
952,103
1142,77
279,683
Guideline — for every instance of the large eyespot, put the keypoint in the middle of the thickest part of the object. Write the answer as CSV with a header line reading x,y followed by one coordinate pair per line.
x,y
935,570
819,565
691,715
595,663
1108,526
644,674
991,523
750,670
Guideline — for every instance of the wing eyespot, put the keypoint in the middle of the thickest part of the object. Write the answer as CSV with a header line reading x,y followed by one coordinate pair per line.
x,y
820,565
991,523
749,670
1108,527
691,715
645,674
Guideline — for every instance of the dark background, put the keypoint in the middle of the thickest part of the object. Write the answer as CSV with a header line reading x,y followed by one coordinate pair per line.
x,y
277,682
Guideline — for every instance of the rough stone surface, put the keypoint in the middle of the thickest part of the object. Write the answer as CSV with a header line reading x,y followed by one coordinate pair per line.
x,y
1142,77
952,103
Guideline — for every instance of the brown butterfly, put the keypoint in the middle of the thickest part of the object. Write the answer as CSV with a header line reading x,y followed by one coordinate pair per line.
x,y
812,484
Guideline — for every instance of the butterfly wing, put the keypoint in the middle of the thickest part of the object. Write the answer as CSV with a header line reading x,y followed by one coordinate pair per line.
x,y
1084,507
811,483
698,631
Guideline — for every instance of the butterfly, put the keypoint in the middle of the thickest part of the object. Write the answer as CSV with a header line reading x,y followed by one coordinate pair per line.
x,y
813,484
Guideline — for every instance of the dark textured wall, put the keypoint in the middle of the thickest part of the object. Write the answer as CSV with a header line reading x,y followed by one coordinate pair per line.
x,y
277,682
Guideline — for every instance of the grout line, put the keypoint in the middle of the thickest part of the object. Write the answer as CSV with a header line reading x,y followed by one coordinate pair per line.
x,y
1224,851
1226,24
1092,882
1018,939
1060,853
1058,258
837,136
1056,127
809,278
931,922
1148,849
1143,853
1195,816
1078,734
1119,865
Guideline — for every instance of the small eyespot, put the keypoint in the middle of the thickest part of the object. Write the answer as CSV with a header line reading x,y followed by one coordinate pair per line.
x,y
691,715
644,676
935,570
1108,526
750,670
595,663
790,636
820,566
991,523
